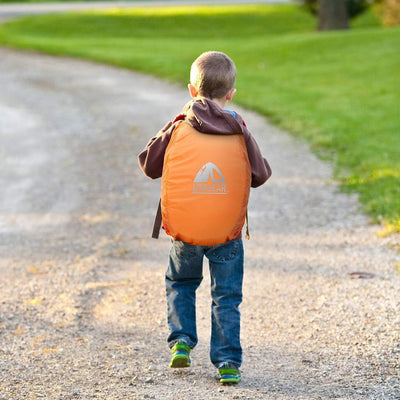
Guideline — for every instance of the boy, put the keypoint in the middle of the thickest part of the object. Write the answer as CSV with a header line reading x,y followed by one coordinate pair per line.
x,y
204,209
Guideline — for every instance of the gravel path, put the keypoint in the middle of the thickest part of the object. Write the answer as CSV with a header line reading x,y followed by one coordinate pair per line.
x,y
11,10
82,310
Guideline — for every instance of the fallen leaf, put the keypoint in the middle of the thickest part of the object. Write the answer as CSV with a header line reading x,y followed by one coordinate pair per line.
x,y
34,301
19,331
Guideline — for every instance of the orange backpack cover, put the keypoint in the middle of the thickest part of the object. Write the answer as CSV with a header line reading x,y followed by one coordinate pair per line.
x,y
205,186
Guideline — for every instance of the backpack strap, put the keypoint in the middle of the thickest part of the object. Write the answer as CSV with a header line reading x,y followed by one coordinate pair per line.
x,y
157,222
247,226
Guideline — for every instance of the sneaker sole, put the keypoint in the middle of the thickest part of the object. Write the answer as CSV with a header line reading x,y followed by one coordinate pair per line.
x,y
180,361
230,380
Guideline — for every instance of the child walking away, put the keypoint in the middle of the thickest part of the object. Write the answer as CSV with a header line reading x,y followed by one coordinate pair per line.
x,y
207,160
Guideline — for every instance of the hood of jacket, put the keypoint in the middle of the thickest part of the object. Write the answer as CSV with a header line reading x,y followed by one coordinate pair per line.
x,y
208,117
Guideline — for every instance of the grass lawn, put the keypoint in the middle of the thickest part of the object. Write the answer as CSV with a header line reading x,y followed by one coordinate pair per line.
x,y
338,90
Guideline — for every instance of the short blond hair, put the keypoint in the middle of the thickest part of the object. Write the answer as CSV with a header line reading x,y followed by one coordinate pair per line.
x,y
213,74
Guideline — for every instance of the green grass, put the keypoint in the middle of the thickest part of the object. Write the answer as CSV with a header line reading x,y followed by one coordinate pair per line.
x,y
338,90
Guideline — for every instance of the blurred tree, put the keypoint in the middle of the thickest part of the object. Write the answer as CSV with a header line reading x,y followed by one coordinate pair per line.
x,y
389,11
335,14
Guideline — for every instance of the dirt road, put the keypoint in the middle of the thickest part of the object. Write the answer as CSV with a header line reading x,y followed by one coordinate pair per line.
x,y
82,311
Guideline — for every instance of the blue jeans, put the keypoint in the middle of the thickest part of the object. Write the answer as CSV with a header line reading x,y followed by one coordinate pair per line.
x,y
183,277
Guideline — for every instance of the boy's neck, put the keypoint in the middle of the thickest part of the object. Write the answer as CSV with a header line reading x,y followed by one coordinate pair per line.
x,y
221,102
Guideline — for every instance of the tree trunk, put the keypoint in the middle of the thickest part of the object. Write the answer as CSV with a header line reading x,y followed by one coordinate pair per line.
x,y
332,14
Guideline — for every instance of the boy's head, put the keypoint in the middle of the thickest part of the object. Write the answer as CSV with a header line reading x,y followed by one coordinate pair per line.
x,y
212,75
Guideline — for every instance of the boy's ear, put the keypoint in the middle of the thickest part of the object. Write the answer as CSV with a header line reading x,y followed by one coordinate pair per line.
x,y
192,90
230,94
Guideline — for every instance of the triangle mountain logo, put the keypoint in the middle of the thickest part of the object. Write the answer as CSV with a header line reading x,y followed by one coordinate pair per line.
x,y
209,180
208,171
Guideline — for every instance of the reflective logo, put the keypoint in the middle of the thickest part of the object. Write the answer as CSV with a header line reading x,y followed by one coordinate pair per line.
x,y
209,180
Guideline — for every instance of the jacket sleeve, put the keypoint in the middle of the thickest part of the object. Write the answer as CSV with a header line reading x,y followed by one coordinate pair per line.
x,y
260,169
151,159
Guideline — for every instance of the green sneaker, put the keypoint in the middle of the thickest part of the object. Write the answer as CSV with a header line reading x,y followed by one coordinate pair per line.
x,y
229,373
180,355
